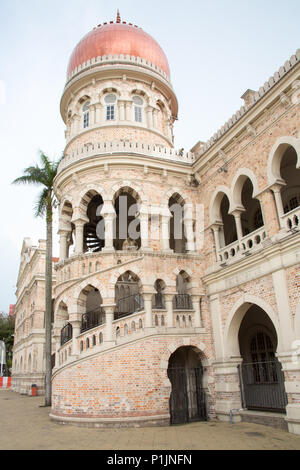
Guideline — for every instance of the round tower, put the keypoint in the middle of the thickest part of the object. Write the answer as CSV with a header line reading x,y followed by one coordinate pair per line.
x,y
125,291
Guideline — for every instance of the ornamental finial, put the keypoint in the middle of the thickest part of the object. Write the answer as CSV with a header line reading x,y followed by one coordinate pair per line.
x,y
118,17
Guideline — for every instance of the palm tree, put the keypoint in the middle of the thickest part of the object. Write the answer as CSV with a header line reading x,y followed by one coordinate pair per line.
x,y
44,175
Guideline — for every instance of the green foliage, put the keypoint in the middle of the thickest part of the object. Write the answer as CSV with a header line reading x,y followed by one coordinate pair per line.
x,y
7,327
44,176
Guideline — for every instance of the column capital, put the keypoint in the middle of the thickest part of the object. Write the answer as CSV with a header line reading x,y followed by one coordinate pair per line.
x,y
148,295
237,211
168,296
197,297
109,308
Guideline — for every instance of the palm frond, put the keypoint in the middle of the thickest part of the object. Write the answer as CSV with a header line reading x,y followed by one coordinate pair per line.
x,y
41,175
41,204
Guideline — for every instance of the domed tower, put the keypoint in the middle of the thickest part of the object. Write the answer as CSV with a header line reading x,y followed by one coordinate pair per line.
x,y
118,88
126,285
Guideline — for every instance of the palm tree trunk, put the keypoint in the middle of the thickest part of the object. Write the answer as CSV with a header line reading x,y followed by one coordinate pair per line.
x,y
48,312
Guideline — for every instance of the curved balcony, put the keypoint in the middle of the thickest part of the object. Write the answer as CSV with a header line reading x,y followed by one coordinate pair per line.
x,y
125,147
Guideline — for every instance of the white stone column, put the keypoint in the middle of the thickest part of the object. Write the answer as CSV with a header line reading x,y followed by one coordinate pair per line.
x,y
144,222
196,307
121,110
165,229
169,307
148,309
276,188
128,111
78,125
217,326
102,114
216,230
188,227
155,122
97,113
238,223
149,113
92,115
79,232
109,310
63,236
109,215
76,326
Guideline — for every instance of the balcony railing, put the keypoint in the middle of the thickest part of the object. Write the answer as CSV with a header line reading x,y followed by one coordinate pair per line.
x,y
241,247
292,219
128,305
66,334
182,302
92,319
158,301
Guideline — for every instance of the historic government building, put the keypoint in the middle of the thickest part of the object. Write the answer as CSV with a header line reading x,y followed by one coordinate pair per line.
x,y
176,294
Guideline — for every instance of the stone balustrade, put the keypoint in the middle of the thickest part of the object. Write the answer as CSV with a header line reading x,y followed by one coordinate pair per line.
x,y
291,220
240,248
125,147
124,330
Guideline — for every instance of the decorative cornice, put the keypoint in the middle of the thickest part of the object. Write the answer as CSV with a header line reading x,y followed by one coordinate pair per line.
x,y
263,90
117,59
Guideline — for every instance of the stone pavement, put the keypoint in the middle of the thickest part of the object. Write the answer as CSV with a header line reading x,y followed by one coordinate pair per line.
x,y
25,425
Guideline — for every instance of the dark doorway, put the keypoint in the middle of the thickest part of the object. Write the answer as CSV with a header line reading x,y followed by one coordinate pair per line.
x,y
187,400
262,379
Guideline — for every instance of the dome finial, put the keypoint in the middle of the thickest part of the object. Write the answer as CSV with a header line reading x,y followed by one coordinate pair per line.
x,y
118,17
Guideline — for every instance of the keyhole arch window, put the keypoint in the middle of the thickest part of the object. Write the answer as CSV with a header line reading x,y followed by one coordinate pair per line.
x,y
110,101
86,114
138,104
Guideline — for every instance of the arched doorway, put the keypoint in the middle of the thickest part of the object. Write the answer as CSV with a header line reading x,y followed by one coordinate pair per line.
x,y
262,379
187,400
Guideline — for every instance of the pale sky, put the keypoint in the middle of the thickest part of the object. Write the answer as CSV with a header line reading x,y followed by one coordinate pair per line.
x,y
216,49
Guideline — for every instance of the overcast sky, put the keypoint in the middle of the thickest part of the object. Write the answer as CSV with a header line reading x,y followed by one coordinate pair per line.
x,y
216,49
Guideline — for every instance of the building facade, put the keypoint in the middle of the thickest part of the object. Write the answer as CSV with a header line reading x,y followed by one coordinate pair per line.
x,y
177,288
28,365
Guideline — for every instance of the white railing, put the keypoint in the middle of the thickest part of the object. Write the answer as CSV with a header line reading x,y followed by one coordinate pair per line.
x,y
291,220
246,245
183,319
121,147
126,327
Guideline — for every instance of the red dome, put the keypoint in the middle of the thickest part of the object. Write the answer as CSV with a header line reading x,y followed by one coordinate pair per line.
x,y
118,38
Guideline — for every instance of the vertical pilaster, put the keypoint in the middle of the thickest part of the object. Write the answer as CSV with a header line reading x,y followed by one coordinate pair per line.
x,y
148,309
168,297
109,318
63,235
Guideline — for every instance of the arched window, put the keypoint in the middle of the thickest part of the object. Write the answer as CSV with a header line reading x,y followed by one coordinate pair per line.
x,y
138,106
94,340
290,192
101,338
86,114
87,343
110,101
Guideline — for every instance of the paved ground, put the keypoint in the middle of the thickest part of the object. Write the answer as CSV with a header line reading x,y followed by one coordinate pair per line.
x,y
24,425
